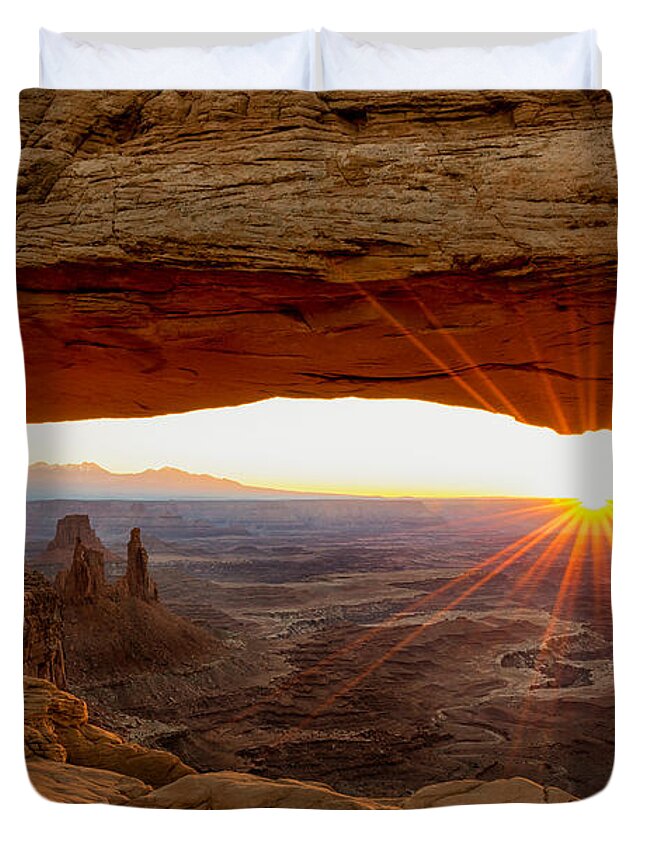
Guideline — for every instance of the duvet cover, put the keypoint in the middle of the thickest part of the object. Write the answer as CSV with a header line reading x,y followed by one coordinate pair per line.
x,y
319,406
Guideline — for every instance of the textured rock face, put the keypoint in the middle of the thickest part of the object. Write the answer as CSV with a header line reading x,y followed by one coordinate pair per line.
x,y
121,645
84,581
111,632
57,729
454,247
137,582
65,783
471,791
83,554
69,531
71,761
228,790
42,637
73,529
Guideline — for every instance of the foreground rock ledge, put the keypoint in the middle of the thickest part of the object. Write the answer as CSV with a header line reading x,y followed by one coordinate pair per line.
x,y
187,250
71,761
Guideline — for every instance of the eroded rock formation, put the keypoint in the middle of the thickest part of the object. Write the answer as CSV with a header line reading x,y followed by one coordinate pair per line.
x,y
137,582
84,581
57,728
118,638
458,247
229,790
70,760
42,634
71,530
67,783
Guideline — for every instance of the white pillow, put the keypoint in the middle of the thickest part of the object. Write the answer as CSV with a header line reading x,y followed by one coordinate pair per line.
x,y
566,62
285,62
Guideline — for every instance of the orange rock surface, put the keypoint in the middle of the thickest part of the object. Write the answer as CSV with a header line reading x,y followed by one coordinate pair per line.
x,y
57,729
180,251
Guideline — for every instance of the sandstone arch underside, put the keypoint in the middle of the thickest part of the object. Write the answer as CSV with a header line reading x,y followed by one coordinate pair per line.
x,y
187,250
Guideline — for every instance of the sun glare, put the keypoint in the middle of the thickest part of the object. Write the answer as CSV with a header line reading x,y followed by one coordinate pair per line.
x,y
354,446
571,549
594,504
594,512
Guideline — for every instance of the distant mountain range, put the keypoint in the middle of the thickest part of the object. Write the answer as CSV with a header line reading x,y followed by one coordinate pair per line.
x,y
88,481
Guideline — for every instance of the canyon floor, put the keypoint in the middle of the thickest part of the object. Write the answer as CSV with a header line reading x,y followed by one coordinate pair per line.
x,y
344,649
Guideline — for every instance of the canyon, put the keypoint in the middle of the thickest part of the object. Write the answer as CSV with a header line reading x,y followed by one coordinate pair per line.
x,y
70,760
265,610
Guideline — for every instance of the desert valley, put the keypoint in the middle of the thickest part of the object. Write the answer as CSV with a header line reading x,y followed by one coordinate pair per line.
x,y
376,646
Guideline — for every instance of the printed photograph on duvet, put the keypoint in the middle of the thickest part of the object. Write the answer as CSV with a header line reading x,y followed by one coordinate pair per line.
x,y
319,385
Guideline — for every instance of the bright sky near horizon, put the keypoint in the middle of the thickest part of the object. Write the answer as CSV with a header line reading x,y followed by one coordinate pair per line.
x,y
356,446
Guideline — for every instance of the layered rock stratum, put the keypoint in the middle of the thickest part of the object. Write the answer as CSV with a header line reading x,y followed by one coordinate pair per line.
x,y
457,247
115,630
84,581
42,636
137,582
70,531
71,760
57,728
100,637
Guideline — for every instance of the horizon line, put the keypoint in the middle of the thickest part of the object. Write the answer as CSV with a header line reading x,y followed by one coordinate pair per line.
x,y
282,492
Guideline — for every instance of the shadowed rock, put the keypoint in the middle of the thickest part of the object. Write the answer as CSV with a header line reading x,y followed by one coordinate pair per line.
x,y
42,633
60,550
70,760
110,631
229,790
137,582
73,529
57,729
84,581
471,791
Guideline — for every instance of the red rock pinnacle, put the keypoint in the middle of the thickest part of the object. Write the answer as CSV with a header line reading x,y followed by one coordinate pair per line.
x,y
138,582
84,581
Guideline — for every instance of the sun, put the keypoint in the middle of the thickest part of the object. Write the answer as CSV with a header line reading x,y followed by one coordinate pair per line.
x,y
594,512
589,503
595,516
594,504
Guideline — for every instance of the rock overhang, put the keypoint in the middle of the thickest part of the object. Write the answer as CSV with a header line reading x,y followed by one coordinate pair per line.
x,y
453,247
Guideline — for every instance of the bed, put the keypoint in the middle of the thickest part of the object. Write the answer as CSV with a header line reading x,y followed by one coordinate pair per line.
x,y
319,399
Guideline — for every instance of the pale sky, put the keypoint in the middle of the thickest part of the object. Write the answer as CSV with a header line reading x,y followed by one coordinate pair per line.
x,y
358,446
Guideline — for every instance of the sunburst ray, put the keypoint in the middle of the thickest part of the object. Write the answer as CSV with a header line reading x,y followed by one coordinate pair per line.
x,y
392,620
458,348
423,348
416,632
556,407
591,527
